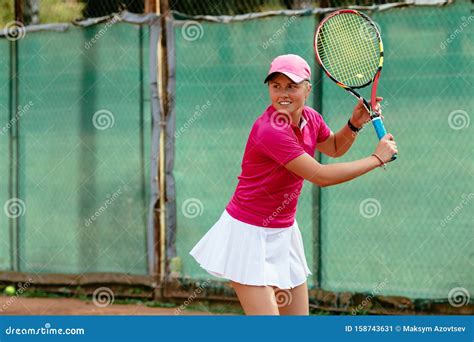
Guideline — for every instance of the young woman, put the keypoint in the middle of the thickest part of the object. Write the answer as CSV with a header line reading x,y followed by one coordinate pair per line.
x,y
256,243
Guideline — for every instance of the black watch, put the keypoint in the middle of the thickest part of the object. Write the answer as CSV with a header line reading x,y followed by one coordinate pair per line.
x,y
352,127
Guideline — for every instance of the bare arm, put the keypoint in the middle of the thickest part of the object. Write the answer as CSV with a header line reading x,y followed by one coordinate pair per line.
x,y
337,144
324,175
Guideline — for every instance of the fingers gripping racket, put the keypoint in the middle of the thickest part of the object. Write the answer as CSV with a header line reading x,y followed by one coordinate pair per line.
x,y
349,48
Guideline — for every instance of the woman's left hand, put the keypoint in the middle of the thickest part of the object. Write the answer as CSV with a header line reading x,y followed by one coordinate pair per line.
x,y
360,116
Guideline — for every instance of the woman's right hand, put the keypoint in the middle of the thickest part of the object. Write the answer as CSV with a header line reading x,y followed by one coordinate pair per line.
x,y
386,148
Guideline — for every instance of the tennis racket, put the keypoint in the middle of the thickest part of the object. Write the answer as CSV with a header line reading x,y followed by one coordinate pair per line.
x,y
349,48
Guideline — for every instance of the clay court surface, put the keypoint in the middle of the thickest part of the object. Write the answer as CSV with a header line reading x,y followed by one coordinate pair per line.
x,y
71,306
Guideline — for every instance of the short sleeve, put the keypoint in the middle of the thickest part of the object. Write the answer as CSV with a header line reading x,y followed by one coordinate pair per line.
x,y
280,144
323,129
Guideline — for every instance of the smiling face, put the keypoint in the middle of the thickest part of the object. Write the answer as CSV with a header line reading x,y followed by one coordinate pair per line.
x,y
286,95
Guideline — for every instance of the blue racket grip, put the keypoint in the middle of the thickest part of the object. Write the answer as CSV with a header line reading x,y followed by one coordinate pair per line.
x,y
380,130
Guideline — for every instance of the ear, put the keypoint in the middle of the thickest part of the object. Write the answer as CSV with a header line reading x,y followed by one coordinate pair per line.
x,y
308,89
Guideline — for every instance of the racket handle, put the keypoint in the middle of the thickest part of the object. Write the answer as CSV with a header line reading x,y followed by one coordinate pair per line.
x,y
381,131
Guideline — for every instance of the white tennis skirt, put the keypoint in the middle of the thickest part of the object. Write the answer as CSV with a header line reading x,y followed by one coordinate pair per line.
x,y
253,255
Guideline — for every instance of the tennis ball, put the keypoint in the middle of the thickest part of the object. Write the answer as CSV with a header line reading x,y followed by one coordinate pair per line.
x,y
10,290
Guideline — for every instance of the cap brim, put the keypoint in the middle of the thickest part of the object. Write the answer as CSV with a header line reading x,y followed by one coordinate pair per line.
x,y
291,76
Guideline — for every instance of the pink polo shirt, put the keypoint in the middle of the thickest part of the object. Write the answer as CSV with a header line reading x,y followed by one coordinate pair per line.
x,y
267,193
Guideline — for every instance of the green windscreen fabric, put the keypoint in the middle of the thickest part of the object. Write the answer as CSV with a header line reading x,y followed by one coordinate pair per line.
x,y
408,230
219,95
84,150
5,248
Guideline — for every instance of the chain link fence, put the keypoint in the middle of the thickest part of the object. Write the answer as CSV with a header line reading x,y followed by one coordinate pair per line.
x,y
59,11
75,139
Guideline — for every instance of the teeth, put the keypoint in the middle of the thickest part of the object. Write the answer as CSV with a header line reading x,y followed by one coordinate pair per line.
x,y
284,102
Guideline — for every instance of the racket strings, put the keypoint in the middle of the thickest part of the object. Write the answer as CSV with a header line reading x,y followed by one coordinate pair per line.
x,y
349,48
347,52
362,49
360,56
344,52
349,62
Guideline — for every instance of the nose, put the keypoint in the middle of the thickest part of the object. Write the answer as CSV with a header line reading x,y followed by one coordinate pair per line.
x,y
282,91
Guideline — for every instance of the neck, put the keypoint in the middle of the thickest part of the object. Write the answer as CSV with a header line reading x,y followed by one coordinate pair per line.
x,y
296,117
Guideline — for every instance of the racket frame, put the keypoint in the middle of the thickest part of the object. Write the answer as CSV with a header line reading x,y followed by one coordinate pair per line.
x,y
351,89
371,107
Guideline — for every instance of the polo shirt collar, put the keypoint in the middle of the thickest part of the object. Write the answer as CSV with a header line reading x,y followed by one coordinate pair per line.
x,y
303,122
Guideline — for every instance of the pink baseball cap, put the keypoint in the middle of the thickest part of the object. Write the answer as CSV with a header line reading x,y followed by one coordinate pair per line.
x,y
292,66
